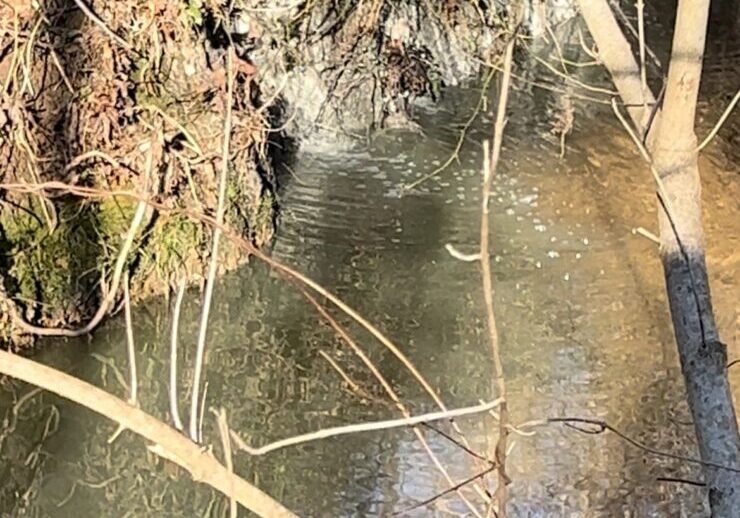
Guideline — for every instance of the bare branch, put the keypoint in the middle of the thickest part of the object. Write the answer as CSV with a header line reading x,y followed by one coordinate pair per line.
x,y
364,427
168,442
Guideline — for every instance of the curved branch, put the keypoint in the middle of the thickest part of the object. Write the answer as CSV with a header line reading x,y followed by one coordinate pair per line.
x,y
168,443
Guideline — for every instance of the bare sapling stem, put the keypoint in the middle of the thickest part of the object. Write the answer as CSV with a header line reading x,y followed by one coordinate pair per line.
x,y
490,162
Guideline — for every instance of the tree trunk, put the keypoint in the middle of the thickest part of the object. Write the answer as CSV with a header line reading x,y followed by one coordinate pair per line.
x,y
703,356
673,148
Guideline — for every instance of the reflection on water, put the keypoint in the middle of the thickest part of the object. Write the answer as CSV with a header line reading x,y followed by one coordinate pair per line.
x,y
579,298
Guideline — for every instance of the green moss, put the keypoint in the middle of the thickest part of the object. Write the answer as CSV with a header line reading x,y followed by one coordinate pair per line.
x,y
193,12
52,268
172,247
264,218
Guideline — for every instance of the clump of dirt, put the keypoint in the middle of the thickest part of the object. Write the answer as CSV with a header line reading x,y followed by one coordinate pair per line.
x,y
129,95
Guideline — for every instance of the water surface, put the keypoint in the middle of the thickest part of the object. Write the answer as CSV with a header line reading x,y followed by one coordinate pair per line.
x,y
579,299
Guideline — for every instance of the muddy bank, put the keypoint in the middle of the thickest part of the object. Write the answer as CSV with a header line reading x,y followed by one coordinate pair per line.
x,y
132,96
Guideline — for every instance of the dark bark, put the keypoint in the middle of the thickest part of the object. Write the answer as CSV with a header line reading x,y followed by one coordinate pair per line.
x,y
704,363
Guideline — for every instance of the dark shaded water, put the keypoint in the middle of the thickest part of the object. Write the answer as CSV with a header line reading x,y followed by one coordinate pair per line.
x,y
579,301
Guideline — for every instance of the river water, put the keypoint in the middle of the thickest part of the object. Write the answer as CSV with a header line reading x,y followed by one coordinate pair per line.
x,y
579,301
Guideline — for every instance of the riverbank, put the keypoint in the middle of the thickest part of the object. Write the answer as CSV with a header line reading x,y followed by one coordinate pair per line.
x,y
130,96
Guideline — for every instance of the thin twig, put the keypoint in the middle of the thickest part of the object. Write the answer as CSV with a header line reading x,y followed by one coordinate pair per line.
x,y
457,443
460,256
641,39
174,406
681,481
349,381
647,234
202,412
446,492
100,23
635,32
570,79
134,384
392,395
213,262
720,122
602,426
363,427
461,138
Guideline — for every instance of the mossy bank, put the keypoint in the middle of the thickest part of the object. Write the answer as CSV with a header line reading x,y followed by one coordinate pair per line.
x,y
132,95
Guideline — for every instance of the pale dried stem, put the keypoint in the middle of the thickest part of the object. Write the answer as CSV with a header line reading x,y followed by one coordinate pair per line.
x,y
489,170
363,428
641,39
213,262
223,430
720,122
349,381
174,406
130,346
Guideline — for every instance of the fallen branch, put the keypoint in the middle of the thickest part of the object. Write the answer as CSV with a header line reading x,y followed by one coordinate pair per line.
x,y
168,442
